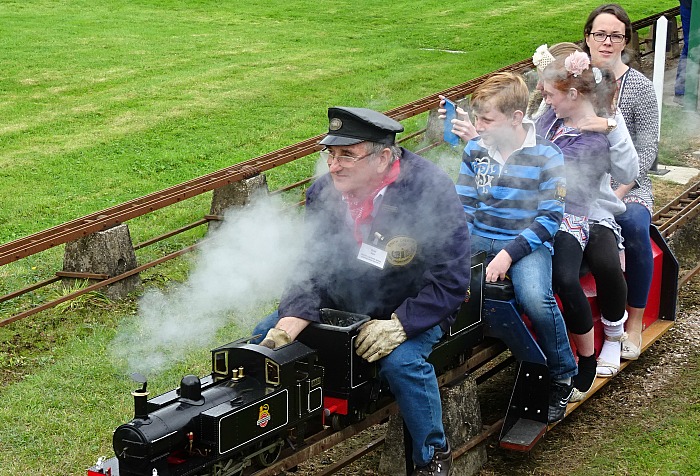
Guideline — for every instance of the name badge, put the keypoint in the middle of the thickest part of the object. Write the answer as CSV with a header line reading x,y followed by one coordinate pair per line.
x,y
370,254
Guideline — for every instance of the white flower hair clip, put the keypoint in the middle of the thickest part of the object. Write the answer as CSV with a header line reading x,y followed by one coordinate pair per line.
x,y
542,57
576,63
597,75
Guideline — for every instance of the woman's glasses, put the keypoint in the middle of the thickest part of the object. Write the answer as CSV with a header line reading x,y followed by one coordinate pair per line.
x,y
600,37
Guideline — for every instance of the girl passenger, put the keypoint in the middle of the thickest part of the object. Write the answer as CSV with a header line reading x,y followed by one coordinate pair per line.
x,y
576,92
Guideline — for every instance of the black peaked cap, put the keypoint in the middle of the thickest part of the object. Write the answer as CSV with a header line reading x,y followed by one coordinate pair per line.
x,y
352,125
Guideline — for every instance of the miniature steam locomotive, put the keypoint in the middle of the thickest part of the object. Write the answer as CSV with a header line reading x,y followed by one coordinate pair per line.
x,y
203,423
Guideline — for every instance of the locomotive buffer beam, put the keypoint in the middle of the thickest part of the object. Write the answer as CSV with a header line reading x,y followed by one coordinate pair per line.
x,y
525,422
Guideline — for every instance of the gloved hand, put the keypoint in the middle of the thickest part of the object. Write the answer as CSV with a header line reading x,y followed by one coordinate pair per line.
x,y
275,338
377,338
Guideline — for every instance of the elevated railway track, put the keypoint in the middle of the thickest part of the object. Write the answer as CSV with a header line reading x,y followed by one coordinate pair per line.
x,y
678,212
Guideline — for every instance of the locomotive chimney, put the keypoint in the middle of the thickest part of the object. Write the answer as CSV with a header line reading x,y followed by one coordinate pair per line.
x,y
140,397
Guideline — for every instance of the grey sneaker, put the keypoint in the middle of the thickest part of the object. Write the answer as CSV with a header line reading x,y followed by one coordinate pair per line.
x,y
559,396
440,465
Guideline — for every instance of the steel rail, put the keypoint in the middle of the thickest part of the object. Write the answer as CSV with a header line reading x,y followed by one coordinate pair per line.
x,y
683,280
33,287
99,285
348,460
182,229
678,211
683,217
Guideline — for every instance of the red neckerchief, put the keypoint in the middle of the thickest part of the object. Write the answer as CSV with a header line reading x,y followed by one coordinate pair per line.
x,y
361,210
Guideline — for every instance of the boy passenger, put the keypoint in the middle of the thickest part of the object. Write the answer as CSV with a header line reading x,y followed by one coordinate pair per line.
x,y
512,187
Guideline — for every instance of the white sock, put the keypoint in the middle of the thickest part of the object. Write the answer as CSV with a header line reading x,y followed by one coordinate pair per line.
x,y
610,352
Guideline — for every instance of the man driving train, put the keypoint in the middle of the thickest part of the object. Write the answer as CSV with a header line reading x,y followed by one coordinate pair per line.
x,y
387,237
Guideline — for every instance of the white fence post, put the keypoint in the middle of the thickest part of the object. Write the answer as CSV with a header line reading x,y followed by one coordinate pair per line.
x,y
660,61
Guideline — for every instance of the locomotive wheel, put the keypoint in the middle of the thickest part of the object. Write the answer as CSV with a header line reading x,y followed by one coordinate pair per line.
x,y
338,422
269,456
224,468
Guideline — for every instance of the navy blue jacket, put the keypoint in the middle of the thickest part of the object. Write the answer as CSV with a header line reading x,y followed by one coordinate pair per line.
x,y
424,231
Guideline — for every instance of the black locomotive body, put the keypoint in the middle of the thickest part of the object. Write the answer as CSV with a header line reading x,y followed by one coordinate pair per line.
x,y
216,425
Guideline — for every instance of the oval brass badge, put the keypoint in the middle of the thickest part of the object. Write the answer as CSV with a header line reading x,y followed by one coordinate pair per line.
x,y
335,124
401,250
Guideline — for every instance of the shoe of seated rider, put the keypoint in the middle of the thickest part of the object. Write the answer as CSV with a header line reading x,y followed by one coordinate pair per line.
x,y
440,465
583,381
559,396
631,350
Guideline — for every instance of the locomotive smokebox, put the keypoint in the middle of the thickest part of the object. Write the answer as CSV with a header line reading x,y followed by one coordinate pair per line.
x,y
140,397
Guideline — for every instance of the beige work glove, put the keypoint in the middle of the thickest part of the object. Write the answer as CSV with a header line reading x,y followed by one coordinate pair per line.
x,y
276,338
377,338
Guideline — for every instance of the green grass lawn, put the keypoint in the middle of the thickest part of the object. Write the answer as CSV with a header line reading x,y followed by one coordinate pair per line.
x,y
102,102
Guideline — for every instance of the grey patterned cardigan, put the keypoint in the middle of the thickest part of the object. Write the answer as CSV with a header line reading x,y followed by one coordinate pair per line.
x,y
637,102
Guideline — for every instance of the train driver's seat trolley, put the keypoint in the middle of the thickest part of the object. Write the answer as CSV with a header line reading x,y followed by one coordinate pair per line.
x,y
525,422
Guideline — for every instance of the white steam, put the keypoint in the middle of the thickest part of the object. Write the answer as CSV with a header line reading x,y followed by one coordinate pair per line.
x,y
242,266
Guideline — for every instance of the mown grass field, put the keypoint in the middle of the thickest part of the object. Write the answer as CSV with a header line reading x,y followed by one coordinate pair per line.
x,y
102,102
106,101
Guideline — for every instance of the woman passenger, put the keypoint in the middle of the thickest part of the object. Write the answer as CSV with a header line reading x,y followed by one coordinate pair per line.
x,y
607,31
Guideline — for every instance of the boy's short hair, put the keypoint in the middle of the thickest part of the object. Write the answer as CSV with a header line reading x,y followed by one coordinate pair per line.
x,y
507,91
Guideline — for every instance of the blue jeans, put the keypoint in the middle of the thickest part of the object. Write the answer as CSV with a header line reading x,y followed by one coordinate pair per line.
x,y
263,326
639,257
532,283
413,382
682,61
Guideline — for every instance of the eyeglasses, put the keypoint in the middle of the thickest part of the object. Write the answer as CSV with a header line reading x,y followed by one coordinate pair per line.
x,y
343,160
600,37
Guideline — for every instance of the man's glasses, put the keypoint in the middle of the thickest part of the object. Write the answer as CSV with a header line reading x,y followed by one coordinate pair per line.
x,y
343,160
600,37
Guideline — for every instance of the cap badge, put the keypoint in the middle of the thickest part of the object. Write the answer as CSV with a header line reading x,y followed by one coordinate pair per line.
x,y
335,124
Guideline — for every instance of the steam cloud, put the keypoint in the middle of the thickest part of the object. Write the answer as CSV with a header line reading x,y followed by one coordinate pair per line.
x,y
240,267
